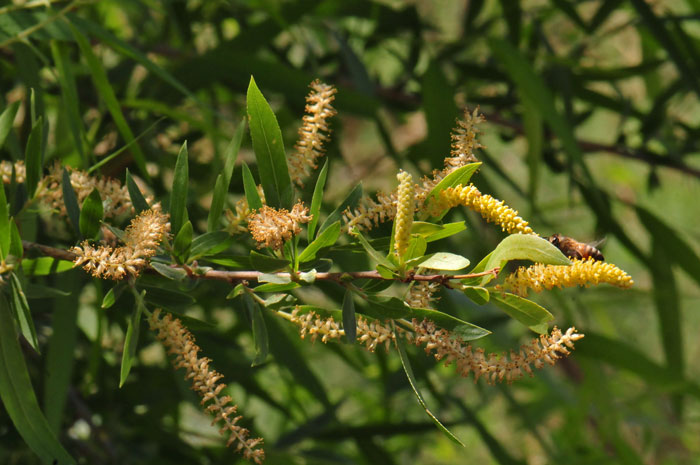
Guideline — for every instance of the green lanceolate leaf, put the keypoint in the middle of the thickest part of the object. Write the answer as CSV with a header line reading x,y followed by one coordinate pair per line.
x,y
16,247
326,239
210,243
224,179
18,398
265,263
178,199
317,199
131,339
527,312
449,229
251,189
269,149
522,247
416,249
414,385
91,215
372,252
176,274
7,118
183,242
44,266
478,295
460,176
70,200
33,156
349,322
441,261
259,329
137,198
22,312
106,93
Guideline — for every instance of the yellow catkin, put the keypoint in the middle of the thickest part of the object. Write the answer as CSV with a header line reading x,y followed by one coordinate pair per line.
x,y
314,131
404,214
492,210
270,227
586,272
141,240
370,213
443,344
206,382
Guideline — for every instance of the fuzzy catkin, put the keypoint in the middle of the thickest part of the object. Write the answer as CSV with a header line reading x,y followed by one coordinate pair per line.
x,y
539,277
206,382
404,214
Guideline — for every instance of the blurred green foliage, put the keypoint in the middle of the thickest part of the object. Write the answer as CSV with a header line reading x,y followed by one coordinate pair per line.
x,y
592,131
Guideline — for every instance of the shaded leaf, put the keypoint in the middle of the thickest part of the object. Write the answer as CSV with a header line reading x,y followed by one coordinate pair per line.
x,y
326,239
223,180
70,200
23,313
33,156
260,338
316,200
137,199
91,215
178,197
131,340
251,189
523,310
349,322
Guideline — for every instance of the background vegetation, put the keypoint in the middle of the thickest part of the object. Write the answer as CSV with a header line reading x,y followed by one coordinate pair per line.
x,y
592,131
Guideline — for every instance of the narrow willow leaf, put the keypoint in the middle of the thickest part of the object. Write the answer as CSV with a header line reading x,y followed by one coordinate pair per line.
x,y
269,149
266,263
251,189
70,200
178,198
176,274
223,180
60,52
441,261
106,93
5,230
61,348
18,398
326,239
274,287
379,257
259,330
183,242
23,313
137,199
416,249
7,118
16,247
414,385
349,322
522,247
131,339
166,297
523,310
274,278
110,298
449,229
210,243
460,176
44,266
348,202
478,295
33,157
91,215
316,200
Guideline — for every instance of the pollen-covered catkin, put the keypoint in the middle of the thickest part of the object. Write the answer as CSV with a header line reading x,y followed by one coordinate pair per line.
x,y
271,227
206,382
313,133
492,210
586,272
404,213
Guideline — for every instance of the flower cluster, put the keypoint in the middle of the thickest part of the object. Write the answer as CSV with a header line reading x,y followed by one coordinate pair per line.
x,y
370,213
581,273
494,368
6,168
369,333
405,208
314,131
141,241
421,294
115,197
270,227
242,211
206,382
492,210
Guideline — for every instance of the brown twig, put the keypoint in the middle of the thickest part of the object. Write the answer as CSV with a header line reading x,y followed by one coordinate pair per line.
x,y
237,276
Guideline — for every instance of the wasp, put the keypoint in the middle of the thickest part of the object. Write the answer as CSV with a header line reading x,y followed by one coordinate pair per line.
x,y
575,249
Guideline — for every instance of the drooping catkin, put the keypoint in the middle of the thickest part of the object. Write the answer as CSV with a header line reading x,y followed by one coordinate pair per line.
x,y
206,382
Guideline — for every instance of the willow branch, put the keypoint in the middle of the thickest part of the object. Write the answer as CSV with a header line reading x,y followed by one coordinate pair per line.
x,y
237,276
